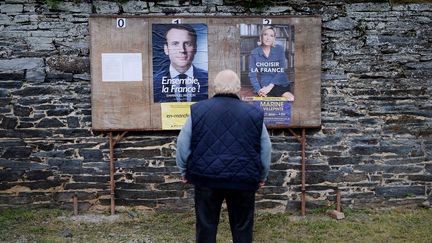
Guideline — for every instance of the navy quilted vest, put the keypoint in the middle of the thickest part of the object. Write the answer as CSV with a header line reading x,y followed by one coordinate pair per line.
x,y
225,144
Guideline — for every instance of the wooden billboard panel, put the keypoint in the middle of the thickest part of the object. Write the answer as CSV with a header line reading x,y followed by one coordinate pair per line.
x,y
123,95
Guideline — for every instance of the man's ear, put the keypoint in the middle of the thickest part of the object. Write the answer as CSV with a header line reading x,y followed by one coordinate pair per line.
x,y
166,49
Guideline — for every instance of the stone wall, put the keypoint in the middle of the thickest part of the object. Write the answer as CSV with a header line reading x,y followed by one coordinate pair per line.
x,y
375,144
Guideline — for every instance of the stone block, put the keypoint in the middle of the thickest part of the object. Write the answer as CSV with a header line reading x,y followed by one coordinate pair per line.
x,y
33,197
91,154
78,171
21,63
151,169
274,197
178,186
426,204
420,7
86,186
22,110
340,176
8,122
64,163
342,23
11,8
5,19
38,175
269,205
364,140
36,91
58,76
168,152
67,196
22,18
25,133
12,75
77,132
132,186
428,168
37,185
324,140
73,48
24,124
420,178
404,202
83,77
5,102
59,112
344,160
3,187
85,178
151,178
49,123
402,169
39,44
104,7
10,175
21,165
336,215
399,191
312,177
12,143
75,7
82,90
68,64
136,7
132,164
150,203
367,7
276,178
286,146
212,2
139,153
135,194
17,152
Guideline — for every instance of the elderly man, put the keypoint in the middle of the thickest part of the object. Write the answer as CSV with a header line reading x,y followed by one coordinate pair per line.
x,y
224,150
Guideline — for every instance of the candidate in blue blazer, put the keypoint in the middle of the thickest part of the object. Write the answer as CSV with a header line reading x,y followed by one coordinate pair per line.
x,y
180,80
267,67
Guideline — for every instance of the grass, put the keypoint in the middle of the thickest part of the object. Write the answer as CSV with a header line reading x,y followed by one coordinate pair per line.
x,y
390,225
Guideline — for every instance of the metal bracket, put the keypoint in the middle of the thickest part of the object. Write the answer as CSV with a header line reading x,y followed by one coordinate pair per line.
x,y
302,140
112,143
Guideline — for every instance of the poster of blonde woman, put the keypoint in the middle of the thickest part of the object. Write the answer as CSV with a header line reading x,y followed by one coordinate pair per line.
x,y
267,69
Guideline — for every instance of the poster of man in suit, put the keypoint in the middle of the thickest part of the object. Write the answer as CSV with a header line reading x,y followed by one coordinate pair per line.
x,y
180,62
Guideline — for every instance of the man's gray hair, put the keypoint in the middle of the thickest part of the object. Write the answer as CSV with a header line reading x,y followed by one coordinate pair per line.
x,y
227,82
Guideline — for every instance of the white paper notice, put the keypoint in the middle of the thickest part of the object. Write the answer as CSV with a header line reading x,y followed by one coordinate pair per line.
x,y
121,67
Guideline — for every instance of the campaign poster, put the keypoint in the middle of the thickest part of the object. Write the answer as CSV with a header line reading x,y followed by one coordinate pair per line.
x,y
180,62
267,69
174,114
277,110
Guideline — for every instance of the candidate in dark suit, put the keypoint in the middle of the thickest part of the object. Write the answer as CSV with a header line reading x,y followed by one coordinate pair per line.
x,y
180,81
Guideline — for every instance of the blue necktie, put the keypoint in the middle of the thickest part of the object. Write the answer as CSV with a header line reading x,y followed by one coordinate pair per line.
x,y
183,77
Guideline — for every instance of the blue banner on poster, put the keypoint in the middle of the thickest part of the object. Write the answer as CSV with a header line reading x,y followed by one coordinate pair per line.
x,y
277,110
